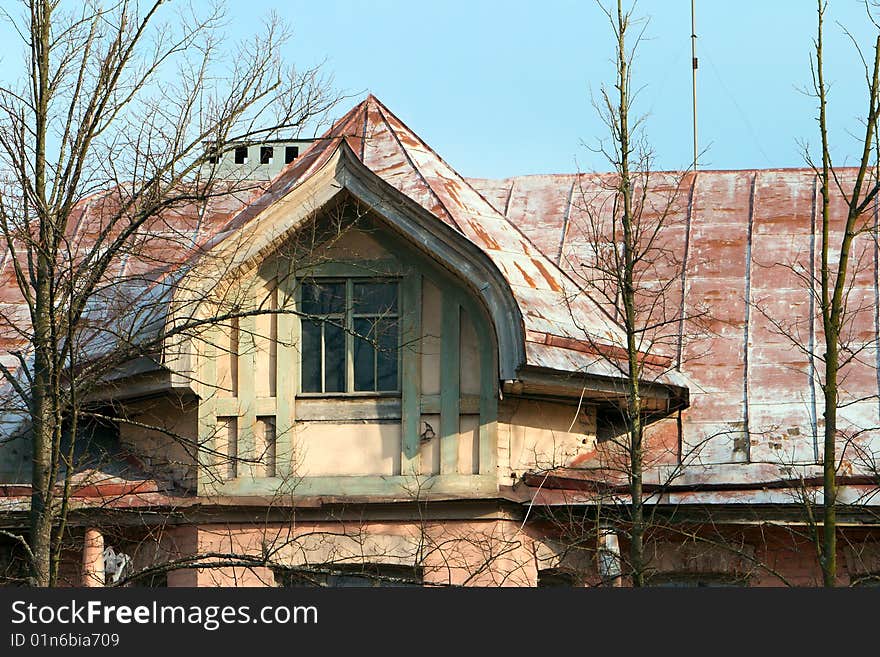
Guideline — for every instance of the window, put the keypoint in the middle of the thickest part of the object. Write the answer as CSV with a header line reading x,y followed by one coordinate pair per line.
x,y
350,576
241,153
350,339
701,580
266,153
290,154
555,578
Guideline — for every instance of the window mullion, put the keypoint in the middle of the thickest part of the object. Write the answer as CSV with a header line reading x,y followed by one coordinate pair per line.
x,y
323,359
348,322
375,352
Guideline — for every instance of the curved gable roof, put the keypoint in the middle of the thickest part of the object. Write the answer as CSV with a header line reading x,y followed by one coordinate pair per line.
x,y
551,305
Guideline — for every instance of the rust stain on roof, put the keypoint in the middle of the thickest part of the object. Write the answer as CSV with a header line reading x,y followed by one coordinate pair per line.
x,y
587,347
484,238
528,279
551,280
742,368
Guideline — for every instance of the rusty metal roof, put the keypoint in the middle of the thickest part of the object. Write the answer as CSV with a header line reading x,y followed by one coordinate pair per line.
x,y
750,245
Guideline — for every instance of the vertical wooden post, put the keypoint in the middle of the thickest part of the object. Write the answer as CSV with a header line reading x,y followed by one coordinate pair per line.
x,y
287,381
207,375
247,354
411,360
450,383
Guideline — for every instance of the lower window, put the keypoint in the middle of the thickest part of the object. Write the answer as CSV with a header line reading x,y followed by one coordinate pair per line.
x,y
690,580
348,576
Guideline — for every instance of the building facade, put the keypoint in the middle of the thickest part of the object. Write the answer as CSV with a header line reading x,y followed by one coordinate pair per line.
x,y
377,372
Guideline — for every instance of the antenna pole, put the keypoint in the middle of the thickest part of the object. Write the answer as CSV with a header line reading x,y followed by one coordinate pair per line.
x,y
694,77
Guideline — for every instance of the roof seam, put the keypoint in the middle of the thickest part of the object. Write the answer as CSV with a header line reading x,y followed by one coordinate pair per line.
x,y
364,134
565,218
509,196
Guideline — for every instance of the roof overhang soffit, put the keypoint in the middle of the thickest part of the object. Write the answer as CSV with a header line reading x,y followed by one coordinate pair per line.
x,y
245,248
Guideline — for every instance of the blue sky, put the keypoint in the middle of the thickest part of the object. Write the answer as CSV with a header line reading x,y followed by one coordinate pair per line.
x,y
504,88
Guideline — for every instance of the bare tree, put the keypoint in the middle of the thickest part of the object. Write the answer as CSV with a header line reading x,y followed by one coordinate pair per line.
x,y
109,128
839,253
631,266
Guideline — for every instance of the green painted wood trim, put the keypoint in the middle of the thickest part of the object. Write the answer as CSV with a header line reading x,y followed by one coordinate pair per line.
x,y
207,413
352,268
410,374
287,378
247,354
401,487
450,382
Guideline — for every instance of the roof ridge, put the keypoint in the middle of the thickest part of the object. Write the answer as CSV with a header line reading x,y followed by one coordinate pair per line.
x,y
379,108
466,182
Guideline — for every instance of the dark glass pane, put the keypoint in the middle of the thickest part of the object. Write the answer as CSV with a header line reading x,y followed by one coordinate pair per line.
x,y
290,153
386,363
334,358
375,298
311,357
364,355
354,581
323,298
555,578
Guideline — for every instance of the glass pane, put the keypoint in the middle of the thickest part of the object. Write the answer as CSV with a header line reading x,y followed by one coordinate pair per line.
x,y
375,298
353,580
334,358
364,355
311,357
386,358
323,298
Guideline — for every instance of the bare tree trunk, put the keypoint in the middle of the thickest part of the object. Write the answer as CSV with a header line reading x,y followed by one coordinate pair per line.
x,y
834,282
634,406
93,110
41,406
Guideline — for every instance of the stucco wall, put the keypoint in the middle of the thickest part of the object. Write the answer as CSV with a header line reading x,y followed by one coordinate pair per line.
x,y
166,451
536,435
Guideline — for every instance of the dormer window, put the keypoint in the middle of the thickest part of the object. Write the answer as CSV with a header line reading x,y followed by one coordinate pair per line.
x,y
241,154
349,336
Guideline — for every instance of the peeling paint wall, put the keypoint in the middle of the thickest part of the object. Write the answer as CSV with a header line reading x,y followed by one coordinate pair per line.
x,y
538,435
491,552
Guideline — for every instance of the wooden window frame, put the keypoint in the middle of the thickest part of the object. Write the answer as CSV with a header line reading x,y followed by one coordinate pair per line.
x,y
347,317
